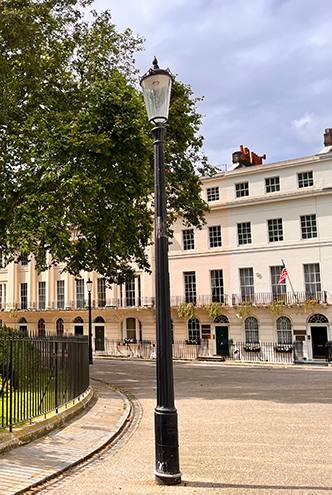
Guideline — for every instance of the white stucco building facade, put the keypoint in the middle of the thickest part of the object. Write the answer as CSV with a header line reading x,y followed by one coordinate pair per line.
x,y
260,216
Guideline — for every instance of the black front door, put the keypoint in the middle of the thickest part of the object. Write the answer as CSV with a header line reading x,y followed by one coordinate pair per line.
x,y
79,329
222,340
100,338
318,341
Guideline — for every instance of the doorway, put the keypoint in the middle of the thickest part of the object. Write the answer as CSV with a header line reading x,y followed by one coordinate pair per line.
x,y
318,341
222,347
99,338
79,329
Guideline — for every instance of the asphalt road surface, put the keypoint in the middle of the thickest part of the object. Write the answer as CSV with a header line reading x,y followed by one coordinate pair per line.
x,y
243,429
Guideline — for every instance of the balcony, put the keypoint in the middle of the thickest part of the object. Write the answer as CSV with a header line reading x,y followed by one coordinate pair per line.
x,y
288,298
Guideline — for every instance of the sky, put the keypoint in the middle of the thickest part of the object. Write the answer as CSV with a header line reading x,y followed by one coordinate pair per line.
x,y
264,68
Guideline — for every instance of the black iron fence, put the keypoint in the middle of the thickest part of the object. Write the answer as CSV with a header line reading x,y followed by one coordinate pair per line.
x,y
261,352
39,374
328,346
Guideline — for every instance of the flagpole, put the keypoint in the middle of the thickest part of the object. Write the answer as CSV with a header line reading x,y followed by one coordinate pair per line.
x,y
290,283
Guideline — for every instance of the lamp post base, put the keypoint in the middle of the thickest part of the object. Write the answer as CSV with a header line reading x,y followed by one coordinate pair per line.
x,y
167,479
167,470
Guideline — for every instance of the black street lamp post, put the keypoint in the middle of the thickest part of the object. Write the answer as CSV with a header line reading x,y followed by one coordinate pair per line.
x,y
156,86
89,287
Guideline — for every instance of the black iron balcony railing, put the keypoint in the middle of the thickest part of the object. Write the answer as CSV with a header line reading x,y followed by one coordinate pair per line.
x,y
199,300
290,298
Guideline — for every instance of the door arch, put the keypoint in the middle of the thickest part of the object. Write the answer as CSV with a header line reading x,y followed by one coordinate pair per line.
x,y
221,331
319,335
78,326
22,326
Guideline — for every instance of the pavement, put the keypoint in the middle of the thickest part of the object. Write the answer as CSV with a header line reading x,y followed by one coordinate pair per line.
x,y
269,435
47,457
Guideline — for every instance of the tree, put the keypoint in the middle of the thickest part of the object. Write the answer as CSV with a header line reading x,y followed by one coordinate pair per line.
x,y
76,149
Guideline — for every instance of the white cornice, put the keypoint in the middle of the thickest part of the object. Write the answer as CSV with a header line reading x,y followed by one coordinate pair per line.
x,y
250,248
271,197
255,169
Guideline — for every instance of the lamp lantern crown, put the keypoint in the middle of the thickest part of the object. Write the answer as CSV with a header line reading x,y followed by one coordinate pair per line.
x,y
89,285
156,86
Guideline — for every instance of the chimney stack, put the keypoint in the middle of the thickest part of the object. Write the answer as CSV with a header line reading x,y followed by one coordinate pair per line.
x,y
328,137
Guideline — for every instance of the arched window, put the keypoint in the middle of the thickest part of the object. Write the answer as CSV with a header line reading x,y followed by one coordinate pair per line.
x,y
318,318
41,327
131,328
221,319
193,329
23,326
251,330
284,331
59,326
99,319
78,326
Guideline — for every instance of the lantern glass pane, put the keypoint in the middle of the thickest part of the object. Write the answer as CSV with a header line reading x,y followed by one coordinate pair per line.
x,y
156,92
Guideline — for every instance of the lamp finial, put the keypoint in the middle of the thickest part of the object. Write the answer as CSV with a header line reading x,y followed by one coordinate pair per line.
x,y
155,63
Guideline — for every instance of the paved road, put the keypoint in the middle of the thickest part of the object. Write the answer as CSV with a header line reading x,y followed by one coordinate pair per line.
x,y
247,429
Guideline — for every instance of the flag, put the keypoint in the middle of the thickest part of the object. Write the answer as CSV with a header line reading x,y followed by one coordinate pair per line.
x,y
283,274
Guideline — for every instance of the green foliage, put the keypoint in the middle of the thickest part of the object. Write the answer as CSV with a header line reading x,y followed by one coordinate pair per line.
x,y
213,309
19,358
186,310
277,307
243,309
76,151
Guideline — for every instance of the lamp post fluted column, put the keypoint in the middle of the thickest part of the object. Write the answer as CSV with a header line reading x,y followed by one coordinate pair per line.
x,y
89,287
156,85
166,420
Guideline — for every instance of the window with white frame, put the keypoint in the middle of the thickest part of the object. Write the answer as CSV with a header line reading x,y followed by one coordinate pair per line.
x,y
190,287
272,184
59,326
131,329
3,296
212,194
24,260
60,294
312,282
42,295
277,289
79,293
251,330
308,226
242,189
284,331
130,293
244,233
188,239
24,296
247,284
217,286
305,179
139,290
101,292
275,230
193,330
215,237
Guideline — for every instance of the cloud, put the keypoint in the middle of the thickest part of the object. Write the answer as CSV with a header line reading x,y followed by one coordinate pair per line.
x,y
264,67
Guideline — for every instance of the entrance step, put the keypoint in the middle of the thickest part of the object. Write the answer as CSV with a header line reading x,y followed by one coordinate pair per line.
x,y
211,358
313,362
